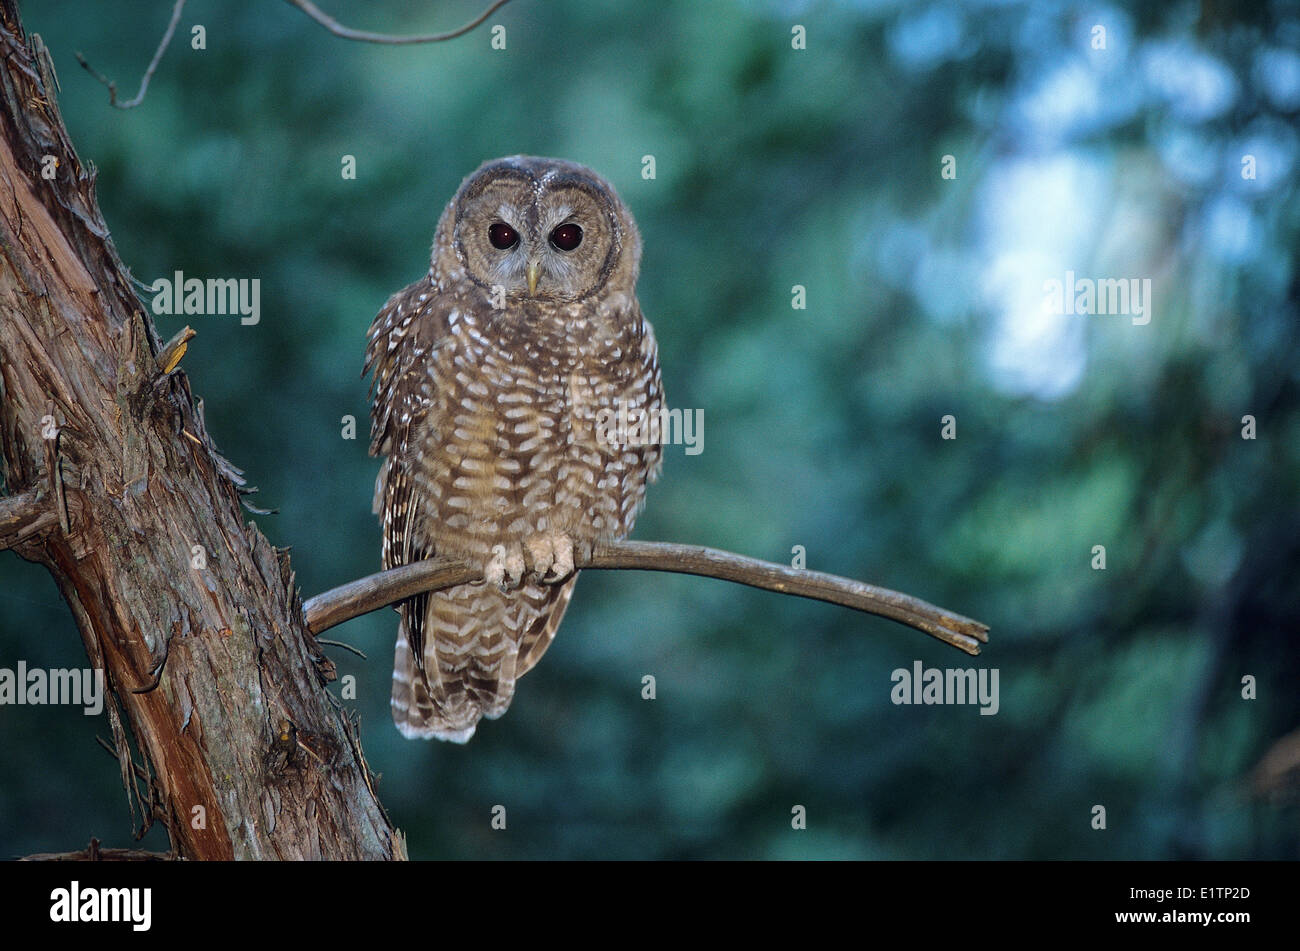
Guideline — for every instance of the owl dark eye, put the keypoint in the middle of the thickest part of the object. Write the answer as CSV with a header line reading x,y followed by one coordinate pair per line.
x,y
566,237
503,236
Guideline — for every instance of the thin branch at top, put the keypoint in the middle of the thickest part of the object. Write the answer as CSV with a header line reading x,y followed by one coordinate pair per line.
x,y
365,36
148,73
397,584
307,7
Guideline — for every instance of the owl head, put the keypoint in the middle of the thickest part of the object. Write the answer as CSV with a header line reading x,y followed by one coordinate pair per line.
x,y
540,228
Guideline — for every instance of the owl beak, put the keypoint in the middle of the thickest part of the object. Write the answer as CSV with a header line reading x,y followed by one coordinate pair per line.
x,y
534,272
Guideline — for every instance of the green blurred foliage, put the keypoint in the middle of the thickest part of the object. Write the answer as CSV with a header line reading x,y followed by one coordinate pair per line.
x,y
775,167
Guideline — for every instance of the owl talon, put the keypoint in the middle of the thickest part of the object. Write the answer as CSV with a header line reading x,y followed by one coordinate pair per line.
x,y
494,572
515,568
549,557
562,565
506,567
540,554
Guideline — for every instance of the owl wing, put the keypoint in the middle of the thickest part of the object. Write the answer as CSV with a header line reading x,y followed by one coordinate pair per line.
x,y
402,338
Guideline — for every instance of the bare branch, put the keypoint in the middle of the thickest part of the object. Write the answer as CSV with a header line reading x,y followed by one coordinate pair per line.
x,y
373,592
388,587
94,853
148,73
347,647
364,36
22,516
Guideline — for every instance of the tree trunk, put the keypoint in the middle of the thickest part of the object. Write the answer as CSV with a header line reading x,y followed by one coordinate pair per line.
x,y
109,479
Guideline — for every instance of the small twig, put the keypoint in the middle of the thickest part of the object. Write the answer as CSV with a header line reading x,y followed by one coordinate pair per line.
x,y
308,750
148,73
348,647
136,767
397,584
365,36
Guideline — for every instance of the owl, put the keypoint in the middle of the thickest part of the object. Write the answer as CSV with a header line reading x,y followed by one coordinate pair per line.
x,y
491,375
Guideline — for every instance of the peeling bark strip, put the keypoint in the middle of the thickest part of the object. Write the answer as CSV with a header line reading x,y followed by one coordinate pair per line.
x,y
109,479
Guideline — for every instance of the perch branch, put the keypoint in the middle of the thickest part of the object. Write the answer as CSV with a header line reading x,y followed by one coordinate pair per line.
x,y
365,36
148,73
388,587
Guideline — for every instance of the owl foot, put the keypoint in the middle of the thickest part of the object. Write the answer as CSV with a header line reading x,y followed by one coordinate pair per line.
x,y
550,557
506,567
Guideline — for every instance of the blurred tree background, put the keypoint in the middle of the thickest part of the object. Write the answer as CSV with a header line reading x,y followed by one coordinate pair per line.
x,y
1167,151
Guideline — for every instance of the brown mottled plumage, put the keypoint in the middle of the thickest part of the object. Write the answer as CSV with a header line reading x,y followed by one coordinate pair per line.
x,y
489,374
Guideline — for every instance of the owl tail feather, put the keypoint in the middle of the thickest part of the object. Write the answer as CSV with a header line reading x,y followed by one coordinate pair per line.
x,y
414,711
478,640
